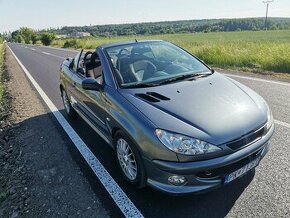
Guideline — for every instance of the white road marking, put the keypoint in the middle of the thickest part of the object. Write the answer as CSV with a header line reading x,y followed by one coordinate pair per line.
x,y
46,53
258,79
43,52
121,199
282,123
61,49
56,48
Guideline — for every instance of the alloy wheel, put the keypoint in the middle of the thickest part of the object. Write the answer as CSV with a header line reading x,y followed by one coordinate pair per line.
x,y
126,159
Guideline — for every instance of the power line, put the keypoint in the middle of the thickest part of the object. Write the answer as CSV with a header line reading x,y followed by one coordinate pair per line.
x,y
267,9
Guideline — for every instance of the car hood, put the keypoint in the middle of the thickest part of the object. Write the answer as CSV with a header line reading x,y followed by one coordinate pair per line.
x,y
215,109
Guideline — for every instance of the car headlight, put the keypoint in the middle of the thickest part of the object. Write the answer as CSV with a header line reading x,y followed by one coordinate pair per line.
x,y
270,119
183,144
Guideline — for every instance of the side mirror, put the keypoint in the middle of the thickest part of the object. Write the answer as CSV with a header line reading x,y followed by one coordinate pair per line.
x,y
91,84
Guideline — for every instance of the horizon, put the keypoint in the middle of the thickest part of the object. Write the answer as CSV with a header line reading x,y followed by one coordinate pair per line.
x,y
161,21
43,15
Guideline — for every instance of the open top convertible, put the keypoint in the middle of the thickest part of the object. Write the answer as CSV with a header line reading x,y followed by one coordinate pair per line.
x,y
174,123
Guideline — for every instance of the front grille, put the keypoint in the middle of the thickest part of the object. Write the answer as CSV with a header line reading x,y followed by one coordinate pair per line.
x,y
247,139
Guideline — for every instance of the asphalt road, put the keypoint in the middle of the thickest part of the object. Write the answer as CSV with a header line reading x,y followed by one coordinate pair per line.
x,y
265,193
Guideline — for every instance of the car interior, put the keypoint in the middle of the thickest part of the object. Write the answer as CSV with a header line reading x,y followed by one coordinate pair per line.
x,y
135,65
93,67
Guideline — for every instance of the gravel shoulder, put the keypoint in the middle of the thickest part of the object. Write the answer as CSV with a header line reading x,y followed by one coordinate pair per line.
x,y
38,177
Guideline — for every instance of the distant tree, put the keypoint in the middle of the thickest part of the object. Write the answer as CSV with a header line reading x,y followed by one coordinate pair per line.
x,y
14,36
19,38
47,38
26,34
274,27
34,38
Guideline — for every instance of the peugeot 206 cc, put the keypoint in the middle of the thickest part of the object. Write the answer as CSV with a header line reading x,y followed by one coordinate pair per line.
x,y
174,123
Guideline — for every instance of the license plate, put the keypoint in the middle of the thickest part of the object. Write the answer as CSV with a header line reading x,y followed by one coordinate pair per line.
x,y
232,176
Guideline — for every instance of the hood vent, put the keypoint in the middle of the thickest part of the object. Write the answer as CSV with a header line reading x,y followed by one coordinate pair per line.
x,y
152,97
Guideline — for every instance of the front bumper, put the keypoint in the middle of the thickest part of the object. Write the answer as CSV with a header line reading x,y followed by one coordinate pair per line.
x,y
203,175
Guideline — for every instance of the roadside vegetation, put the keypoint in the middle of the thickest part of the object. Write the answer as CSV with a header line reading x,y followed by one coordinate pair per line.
x,y
30,36
2,64
3,193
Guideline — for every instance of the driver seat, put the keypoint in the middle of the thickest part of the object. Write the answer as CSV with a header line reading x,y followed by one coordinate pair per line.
x,y
124,66
147,67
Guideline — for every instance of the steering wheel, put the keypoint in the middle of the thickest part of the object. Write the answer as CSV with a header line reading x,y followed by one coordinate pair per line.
x,y
85,57
123,49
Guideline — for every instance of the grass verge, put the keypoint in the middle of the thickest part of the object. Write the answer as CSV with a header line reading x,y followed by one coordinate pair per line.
x,y
2,68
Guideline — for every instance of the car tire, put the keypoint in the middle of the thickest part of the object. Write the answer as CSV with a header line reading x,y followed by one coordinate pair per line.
x,y
67,105
129,160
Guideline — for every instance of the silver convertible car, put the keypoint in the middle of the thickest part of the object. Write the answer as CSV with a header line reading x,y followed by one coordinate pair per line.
x,y
174,123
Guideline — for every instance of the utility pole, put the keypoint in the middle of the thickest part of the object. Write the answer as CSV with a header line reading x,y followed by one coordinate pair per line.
x,y
267,9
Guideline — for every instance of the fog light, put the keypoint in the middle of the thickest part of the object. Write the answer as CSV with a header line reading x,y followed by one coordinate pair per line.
x,y
177,180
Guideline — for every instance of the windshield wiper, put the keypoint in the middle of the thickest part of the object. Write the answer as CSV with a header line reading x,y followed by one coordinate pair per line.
x,y
170,80
140,85
184,77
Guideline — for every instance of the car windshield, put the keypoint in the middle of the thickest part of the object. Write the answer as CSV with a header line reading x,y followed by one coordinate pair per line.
x,y
143,64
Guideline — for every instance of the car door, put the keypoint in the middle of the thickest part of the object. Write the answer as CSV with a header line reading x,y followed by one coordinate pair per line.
x,y
70,73
91,103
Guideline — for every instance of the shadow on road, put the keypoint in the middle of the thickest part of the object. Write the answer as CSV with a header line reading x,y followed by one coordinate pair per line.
x,y
150,202
153,203
212,204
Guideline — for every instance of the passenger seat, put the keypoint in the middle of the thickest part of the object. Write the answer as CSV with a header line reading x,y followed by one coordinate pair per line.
x,y
95,68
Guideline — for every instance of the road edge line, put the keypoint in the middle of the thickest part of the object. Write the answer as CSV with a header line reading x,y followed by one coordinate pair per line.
x,y
257,79
117,194
281,123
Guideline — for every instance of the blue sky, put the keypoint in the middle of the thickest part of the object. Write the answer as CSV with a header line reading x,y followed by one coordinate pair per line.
x,y
39,14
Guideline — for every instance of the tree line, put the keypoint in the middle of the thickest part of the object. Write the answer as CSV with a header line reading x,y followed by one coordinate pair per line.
x,y
171,27
28,35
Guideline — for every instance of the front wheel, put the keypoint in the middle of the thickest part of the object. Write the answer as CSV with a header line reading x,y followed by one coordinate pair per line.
x,y
67,105
129,160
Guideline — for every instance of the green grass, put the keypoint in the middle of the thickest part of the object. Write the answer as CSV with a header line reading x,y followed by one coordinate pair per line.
x,y
2,87
258,51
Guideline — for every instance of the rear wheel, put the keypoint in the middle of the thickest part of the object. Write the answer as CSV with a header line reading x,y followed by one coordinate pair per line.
x,y
67,105
129,160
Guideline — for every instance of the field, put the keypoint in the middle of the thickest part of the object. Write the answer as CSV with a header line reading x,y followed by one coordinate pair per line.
x,y
258,51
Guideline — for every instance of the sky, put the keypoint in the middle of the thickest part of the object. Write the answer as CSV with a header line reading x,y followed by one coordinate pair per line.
x,y
43,14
